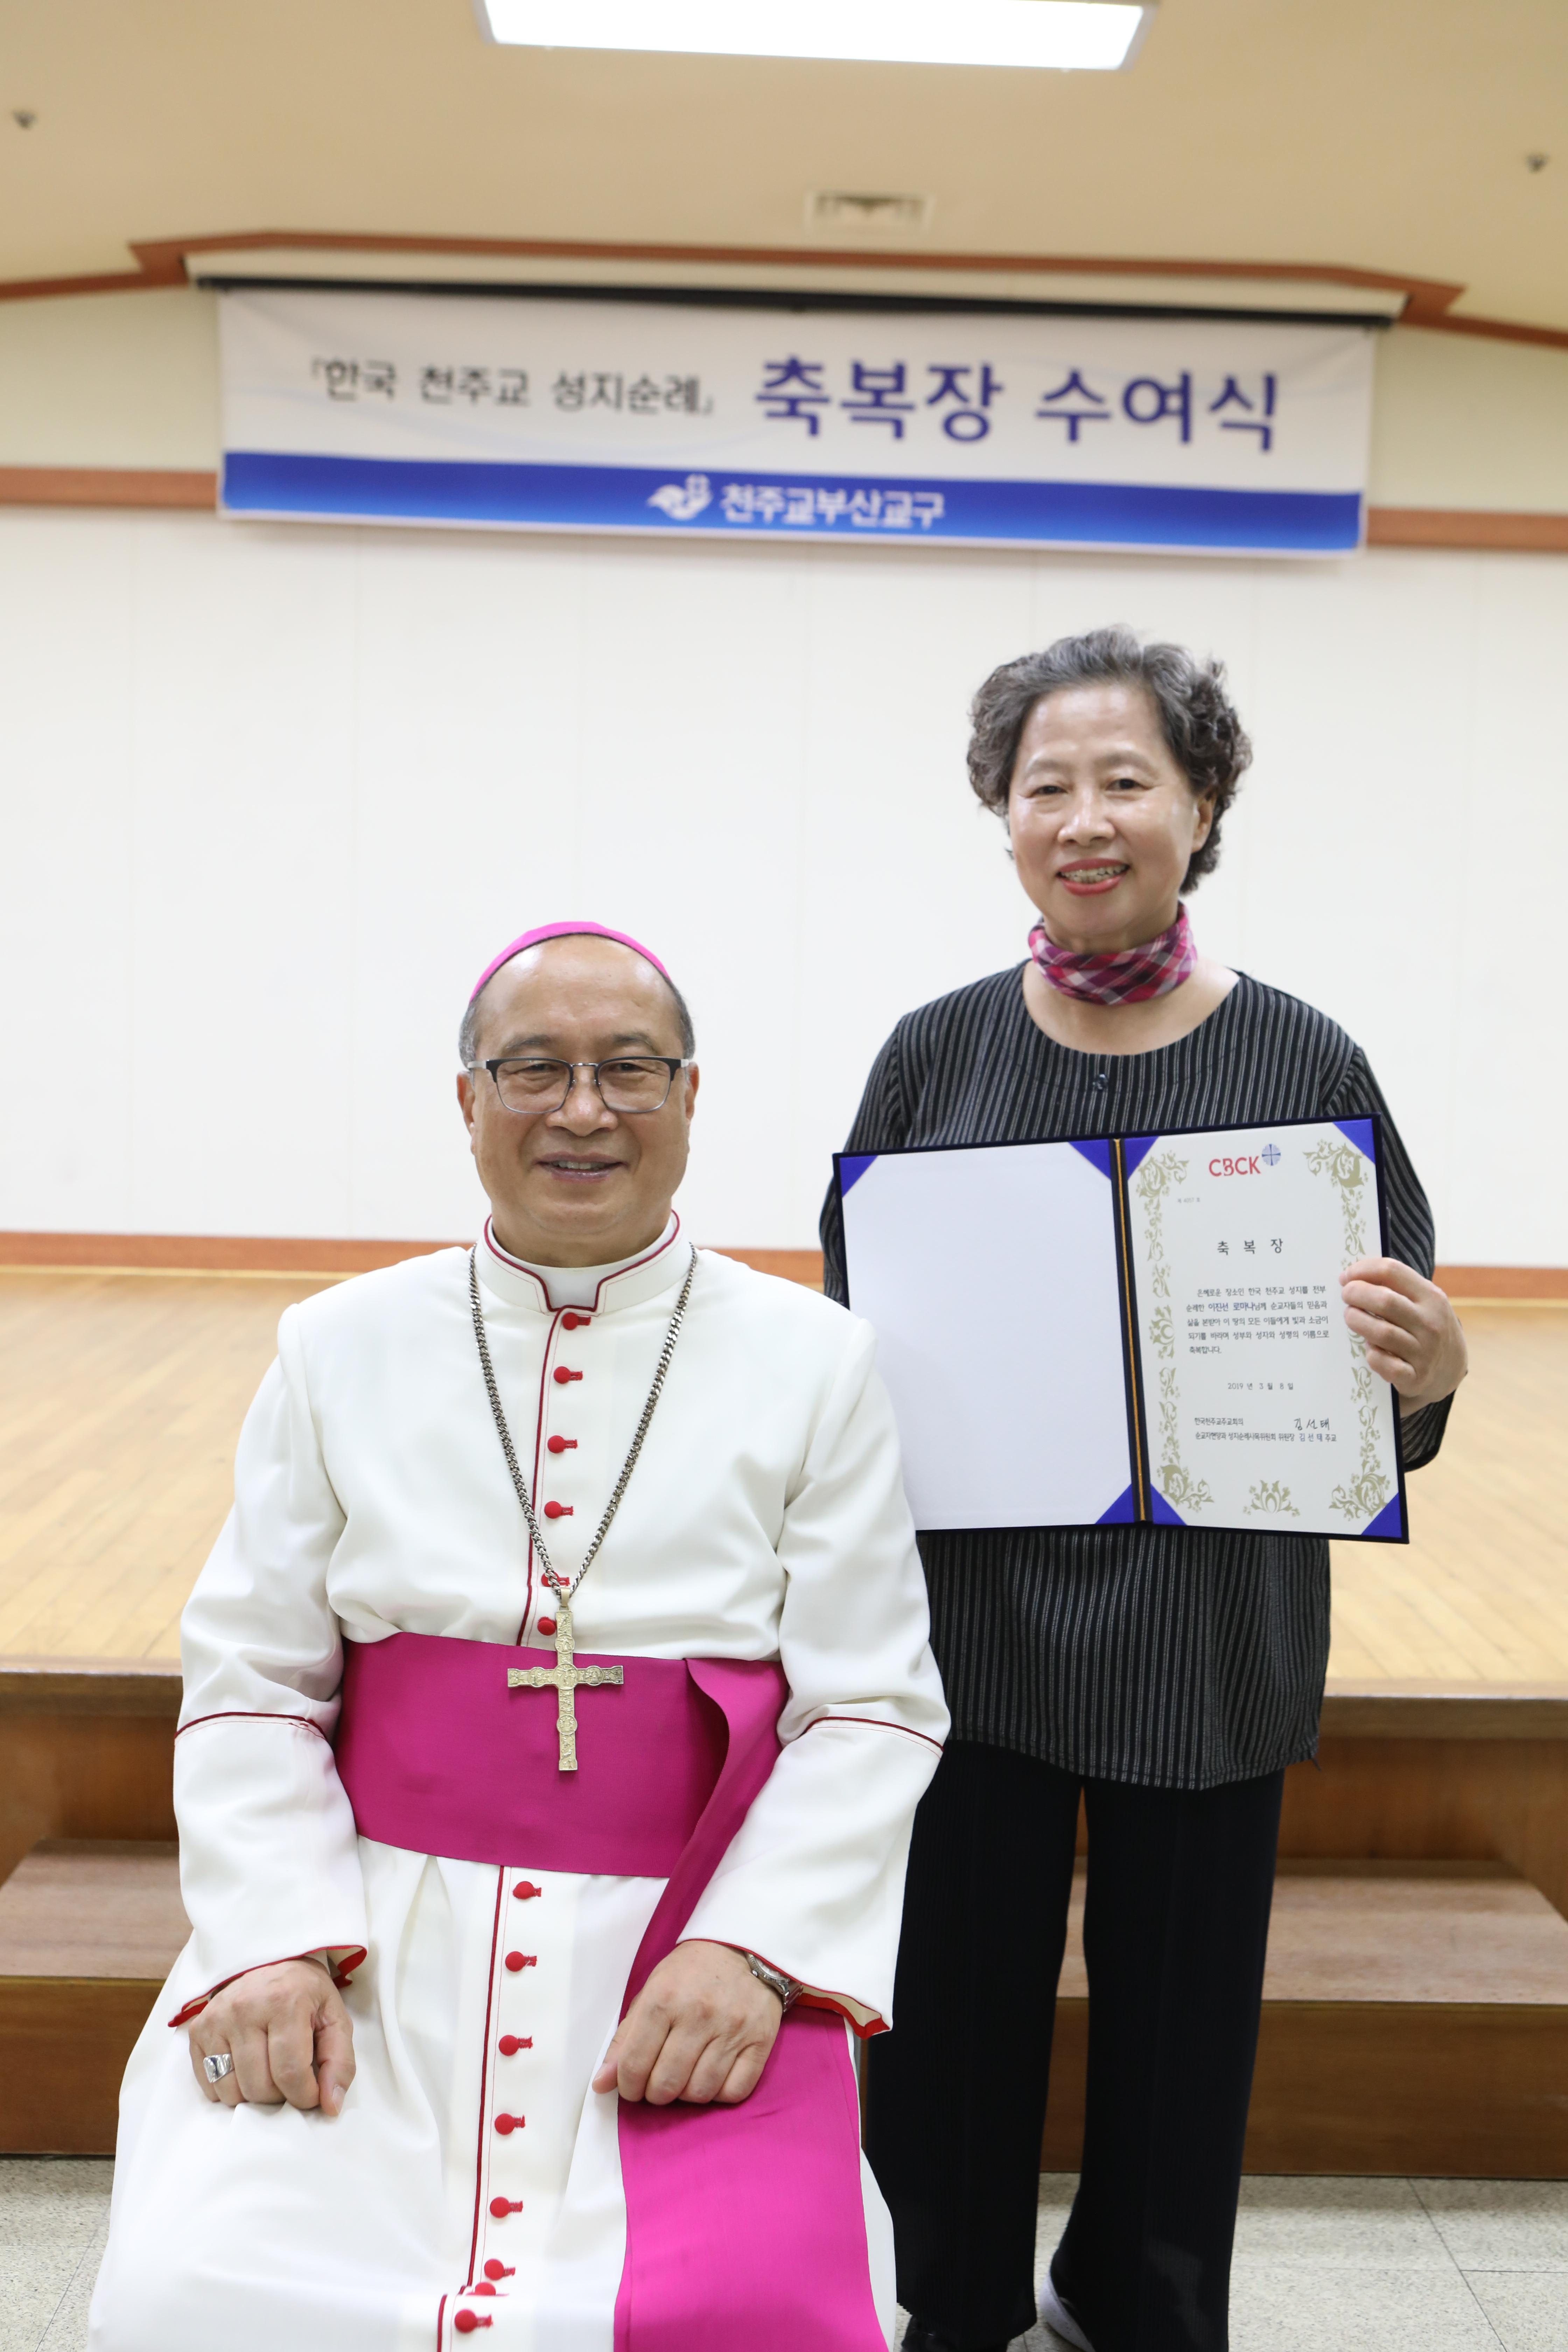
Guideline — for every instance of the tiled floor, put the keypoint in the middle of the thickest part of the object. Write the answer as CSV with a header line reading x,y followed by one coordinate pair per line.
x,y
54,2212
1320,2265
1383,2265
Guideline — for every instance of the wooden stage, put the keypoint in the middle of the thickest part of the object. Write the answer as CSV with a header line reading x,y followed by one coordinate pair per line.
x,y
122,1395
1416,2012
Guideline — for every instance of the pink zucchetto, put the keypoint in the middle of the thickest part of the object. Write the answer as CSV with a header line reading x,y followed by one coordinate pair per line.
x,y
565,931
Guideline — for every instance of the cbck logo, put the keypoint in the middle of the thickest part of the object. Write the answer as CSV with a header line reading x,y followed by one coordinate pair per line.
x,y
1247,1164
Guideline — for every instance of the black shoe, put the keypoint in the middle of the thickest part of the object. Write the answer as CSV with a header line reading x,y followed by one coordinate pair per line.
x,y
919,2338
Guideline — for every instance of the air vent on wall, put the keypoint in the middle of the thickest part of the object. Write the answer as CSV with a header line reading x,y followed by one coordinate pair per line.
x,y
839,208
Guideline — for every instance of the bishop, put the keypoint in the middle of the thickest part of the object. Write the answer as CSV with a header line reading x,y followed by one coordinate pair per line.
x,y
490,2018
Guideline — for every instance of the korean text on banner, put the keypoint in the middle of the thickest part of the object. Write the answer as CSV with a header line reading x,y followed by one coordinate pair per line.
x,y
980,428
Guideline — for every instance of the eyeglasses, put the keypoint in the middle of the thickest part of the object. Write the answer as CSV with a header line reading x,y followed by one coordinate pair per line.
x,y
627,1082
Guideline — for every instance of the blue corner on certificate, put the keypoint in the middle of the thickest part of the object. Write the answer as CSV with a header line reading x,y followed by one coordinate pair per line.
x,y
1388,1526
1362,1134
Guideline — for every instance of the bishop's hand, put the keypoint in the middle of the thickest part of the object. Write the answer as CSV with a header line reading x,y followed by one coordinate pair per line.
x,y
701,2029
288,2034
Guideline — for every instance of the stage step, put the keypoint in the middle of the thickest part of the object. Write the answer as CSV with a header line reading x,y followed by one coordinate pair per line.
x,y
1415,2014
1415,2020
89,1930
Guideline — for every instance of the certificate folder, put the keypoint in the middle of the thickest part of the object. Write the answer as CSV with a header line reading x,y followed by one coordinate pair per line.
x,y
1137,1329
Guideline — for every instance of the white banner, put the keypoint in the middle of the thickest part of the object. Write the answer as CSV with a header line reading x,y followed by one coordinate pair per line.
x,y
975,428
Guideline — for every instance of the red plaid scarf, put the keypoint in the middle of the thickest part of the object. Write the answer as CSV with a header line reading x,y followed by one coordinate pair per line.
x,y
1125,975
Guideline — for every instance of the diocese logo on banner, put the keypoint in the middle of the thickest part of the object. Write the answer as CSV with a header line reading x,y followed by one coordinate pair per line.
x,y
684,501
985,428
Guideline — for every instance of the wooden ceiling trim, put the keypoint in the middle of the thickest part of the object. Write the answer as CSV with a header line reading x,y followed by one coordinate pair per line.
x,y
160,262
1426,297
105,485
1461,527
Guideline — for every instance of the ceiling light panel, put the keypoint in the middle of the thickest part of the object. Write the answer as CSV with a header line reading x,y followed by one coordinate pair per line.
x,y
1074,36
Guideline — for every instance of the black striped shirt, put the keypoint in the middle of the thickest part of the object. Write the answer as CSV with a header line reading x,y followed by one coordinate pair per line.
x,y
1170,1657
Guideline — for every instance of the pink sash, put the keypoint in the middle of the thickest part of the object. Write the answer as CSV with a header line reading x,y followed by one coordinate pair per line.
x,y
745,2225
781,2266
436,1754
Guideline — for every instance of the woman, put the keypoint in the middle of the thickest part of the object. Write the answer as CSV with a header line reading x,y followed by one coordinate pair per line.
x,y
1168,1675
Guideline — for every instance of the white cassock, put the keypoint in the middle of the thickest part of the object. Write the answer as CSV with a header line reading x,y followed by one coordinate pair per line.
x,y
765,1519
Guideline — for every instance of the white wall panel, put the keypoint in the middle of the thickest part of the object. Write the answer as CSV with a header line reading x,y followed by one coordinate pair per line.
x,y
273,794
241,871
68,825
1501,968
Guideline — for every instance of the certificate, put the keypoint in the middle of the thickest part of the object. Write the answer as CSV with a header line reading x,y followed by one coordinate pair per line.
x,y
1131,1328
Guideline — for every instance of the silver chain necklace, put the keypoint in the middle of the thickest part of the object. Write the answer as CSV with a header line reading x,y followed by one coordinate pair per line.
x,y
566,1591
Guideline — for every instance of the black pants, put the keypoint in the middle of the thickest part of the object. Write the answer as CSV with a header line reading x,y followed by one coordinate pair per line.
x,y
1177,1920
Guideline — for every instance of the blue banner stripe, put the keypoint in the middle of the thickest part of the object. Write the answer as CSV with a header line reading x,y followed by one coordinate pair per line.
x,y
626,498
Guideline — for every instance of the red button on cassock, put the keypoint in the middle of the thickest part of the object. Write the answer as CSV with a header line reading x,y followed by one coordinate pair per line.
x,y
570,1322
508,2124
501,2205
562,1444
559,1510
547,1624
563,1375
494,2270
467,2321
516,1961
480,2287
524,1888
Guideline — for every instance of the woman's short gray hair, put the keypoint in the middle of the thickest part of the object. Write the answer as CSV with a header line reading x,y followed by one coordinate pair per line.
x,y
1206,738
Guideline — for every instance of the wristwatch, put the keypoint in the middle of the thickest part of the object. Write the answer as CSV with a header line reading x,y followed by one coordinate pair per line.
x,y
775,1980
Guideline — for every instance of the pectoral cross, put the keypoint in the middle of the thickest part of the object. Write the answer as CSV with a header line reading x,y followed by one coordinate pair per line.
x,y
567,1679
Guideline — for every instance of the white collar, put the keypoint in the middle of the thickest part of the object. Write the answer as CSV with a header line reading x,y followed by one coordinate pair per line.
x,y
600,1290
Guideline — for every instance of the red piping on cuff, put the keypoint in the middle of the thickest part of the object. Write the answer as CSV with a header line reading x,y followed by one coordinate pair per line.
x,y
355,1957
877,1724
805,1998
250,1714
873,2025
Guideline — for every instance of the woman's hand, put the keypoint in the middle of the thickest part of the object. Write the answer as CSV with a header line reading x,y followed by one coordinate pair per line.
x,y
700,2029
289,2033
1413,1339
